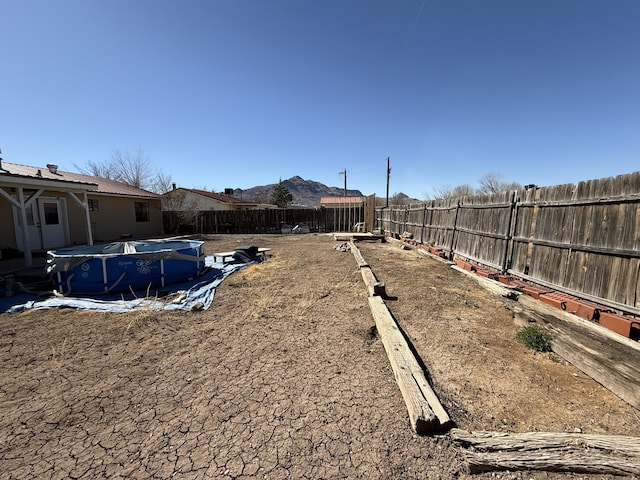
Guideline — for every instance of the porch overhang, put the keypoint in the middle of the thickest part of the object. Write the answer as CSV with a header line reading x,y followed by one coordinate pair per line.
x,y
21,183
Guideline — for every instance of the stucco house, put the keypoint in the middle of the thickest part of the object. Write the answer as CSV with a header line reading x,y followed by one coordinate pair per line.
x,y
195,200
44,208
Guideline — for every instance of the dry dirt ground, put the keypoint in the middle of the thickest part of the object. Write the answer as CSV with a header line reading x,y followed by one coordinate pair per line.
x,y
283,377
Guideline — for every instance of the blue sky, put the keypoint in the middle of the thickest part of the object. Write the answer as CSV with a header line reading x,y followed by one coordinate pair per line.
x,y
239,93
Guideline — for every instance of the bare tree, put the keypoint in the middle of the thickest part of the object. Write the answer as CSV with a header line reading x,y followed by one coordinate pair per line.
x,y
162,183
447,191
443,191
97,169
133,169
512,186
465,190
491,183
182,213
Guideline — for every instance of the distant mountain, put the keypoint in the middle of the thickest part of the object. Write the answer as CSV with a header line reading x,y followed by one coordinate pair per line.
x,y
309,193
397,199
405,199
305,192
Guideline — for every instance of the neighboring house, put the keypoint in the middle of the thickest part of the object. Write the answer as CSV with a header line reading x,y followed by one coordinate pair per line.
x,y
45,208
194,200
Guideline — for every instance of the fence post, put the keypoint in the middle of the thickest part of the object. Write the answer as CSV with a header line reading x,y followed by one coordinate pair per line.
x,y
386,218
453,233
392,220
406,219
424,221
509,241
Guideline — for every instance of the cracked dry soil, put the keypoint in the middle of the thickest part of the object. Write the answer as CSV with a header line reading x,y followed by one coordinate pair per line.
x,y
283,377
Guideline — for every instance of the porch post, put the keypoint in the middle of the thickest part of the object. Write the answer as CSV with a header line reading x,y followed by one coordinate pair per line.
x,y
88,218
28,259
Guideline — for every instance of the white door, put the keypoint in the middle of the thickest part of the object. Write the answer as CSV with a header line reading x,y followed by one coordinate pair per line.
x,y
33,227
46,223
53,222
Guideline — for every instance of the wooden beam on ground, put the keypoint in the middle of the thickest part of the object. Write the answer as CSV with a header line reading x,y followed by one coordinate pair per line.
x,y
356,253
426,413
425,410
610,359
347,236
566,452
374,286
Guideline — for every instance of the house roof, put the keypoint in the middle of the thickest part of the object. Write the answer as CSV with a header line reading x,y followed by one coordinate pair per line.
x,y
340,200
70,179
220,197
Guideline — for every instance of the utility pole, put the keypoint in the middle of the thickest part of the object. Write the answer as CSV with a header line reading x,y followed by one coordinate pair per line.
x,y
344,201
388,174
345,181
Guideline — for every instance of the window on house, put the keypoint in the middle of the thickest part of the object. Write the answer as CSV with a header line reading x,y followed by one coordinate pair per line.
x,y
93,205
51,216
142,211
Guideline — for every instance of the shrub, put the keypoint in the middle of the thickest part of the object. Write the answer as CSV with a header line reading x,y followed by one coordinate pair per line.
x,y
535,339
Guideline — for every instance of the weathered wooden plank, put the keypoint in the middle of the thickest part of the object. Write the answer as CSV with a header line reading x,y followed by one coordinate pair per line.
x,y
570,452
426,413
493,441
578,462
374,286
610,359
358,255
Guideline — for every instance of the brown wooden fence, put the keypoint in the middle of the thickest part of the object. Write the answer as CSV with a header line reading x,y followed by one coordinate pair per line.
x,y
580,239
262,221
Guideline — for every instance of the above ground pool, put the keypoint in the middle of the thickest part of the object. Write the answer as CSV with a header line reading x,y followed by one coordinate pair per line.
x,y
125,266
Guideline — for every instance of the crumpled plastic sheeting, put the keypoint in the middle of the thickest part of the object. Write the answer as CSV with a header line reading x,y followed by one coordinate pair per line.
x,y
195,295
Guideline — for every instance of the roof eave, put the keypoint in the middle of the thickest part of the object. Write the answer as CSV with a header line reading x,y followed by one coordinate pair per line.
x,y
20,180
126,195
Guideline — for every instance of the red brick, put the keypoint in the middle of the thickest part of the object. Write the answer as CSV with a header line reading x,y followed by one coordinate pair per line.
x,y
560,300
616,323
587,310
483,272
463,264
535,291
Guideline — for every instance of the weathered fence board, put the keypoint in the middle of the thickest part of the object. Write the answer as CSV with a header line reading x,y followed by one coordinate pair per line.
x,y
415,221
483,228
439,223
